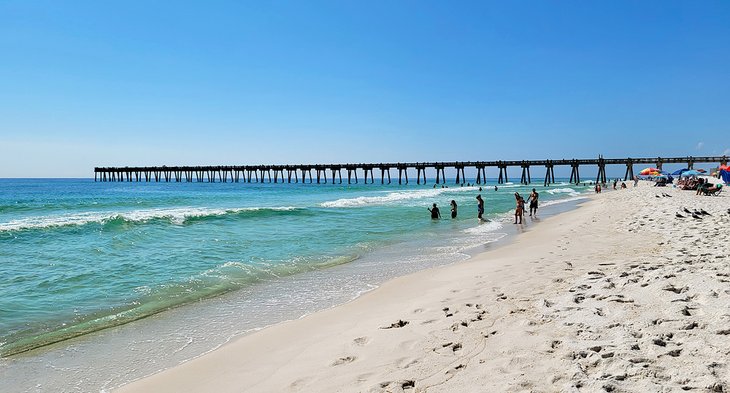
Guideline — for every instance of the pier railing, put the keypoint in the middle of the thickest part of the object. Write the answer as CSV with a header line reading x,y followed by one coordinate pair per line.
x,y
320,173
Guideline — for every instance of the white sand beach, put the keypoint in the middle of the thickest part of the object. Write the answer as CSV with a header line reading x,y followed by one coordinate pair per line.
x,y
617,295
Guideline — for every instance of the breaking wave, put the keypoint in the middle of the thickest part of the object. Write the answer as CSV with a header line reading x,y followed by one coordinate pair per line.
x,y
568,191
393,197
178,216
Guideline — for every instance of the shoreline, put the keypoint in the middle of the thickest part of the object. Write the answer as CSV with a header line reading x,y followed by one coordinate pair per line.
x,y
140,337
555,210
569,302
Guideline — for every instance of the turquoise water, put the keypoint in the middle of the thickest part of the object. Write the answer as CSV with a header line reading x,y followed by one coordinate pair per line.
x,y
79,256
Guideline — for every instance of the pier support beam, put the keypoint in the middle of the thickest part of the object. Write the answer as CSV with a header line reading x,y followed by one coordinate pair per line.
x,y
382,175
321,172
502,174
601,177
338,172
525,179
419,171
481,174
351,172
370,171
440,174
402,170
574,174
629,170
460,175
549,174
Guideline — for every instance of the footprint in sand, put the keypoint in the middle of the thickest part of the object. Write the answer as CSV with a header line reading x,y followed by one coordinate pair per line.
x,y
396,325
449,347
391,386
405,362
455,370
344,360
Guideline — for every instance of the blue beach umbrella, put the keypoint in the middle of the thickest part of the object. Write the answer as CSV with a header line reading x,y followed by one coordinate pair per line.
x,y
690,173
679,172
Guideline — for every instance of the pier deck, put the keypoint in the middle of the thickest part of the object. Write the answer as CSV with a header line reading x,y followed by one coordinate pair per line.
x,y
320,173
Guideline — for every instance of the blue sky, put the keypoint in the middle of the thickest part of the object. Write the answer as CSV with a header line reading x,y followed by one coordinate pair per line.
x,y
86,84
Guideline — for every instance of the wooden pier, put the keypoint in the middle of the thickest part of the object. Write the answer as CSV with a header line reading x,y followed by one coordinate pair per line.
x,y
320,173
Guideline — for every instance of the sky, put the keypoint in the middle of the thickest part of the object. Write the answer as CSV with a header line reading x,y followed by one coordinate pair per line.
x,y
90,83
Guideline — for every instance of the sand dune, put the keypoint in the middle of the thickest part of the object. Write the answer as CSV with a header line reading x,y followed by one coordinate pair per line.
x,y
618,295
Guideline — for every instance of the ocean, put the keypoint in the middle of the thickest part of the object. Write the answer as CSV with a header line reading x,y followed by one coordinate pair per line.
x,y
102,283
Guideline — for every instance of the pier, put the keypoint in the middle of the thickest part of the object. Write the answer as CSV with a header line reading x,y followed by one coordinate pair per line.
x,y
321,173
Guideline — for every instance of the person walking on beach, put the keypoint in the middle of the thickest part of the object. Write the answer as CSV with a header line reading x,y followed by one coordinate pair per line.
x,y
435,213
480,207
453,208
533,202
520,208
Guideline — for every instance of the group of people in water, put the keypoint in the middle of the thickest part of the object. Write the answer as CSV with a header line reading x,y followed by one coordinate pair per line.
x,y
600,186
519,209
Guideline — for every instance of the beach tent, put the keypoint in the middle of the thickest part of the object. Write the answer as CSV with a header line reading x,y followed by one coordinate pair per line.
x,y
679,172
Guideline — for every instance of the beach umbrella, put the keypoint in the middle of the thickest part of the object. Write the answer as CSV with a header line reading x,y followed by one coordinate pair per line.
x,y
679,172
701,170
648,171
690,173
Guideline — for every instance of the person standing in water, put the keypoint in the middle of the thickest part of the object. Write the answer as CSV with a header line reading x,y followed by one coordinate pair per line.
x,y
453,208
435,213
520,208
533,202
480,207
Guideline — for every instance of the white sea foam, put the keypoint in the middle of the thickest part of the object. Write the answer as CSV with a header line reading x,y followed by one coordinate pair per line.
x,y
393,197
176,216
569,191
482,228
565,200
